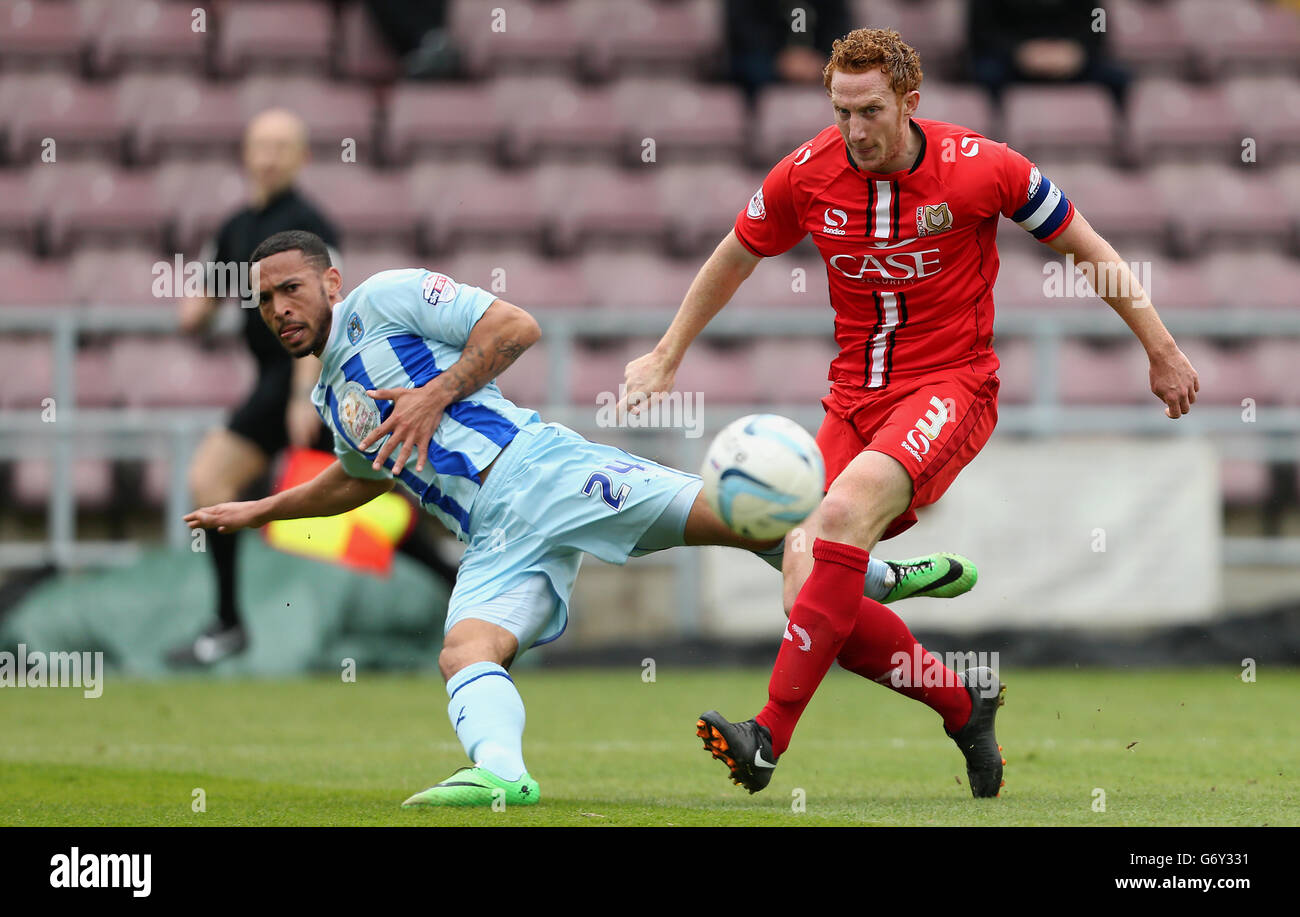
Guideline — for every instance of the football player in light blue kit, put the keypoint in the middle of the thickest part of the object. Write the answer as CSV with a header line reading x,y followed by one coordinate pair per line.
x,y
409,357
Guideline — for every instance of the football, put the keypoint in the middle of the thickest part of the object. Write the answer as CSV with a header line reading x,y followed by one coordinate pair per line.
x,y
763,475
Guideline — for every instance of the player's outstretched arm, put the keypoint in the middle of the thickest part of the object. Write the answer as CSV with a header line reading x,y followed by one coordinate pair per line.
x,y
1173,380
331,492
496,340
717,281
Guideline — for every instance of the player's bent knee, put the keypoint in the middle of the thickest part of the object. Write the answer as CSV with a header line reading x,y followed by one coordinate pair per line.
x,y
472,641
842,517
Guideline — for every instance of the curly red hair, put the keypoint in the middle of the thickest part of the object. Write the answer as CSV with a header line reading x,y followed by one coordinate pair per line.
x,y
864,50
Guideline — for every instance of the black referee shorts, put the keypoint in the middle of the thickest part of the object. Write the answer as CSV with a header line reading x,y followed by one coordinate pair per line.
x,y
260,419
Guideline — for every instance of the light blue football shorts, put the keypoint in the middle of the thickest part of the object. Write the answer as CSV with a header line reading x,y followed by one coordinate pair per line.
x,y
551,497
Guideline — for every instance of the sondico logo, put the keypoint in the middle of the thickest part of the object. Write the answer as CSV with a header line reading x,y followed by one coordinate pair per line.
x,y
836,220
927,429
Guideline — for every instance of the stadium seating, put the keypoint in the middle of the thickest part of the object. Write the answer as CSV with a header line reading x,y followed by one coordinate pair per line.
x,y
1168,117
148,35
1075,121
531,177
274,36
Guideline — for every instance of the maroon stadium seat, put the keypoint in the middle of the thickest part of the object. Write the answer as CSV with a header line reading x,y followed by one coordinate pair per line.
x,y
965,105
529,38
636,282
713,373
775,285
80,118
28,281
425,119
358,265
935,28
123,277
1176,285
1213,205
684,118
551,117
598,368
1115,374
1226,375
1016,370
1125,207
1245,36
791,371
1243,482
149,35
602,207
332,111
366,205
91,484
29,368
702,202
1253,280
1277,359
462,204
1288,182
651,36
1168,117
200,197
521,278
1270,108
1022,283
1075,121
363,54
527,380
113,206
787,117
173,372
1149,37
94,378
43,34
274,36
180,114
21,210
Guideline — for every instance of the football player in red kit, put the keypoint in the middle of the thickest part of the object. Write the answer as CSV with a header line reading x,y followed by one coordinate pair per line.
x,y
905,212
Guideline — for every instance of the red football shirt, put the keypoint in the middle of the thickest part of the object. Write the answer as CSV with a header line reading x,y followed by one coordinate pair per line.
x,y
910,255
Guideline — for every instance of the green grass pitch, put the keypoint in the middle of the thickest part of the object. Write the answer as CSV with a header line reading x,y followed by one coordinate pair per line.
x,y
1167,747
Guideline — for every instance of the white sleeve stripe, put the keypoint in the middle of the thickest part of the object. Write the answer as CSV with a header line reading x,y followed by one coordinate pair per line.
x,y
1050,200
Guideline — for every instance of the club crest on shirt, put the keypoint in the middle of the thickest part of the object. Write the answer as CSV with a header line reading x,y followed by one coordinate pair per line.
x,y
438,288
358,413
756,209
931,219
355,328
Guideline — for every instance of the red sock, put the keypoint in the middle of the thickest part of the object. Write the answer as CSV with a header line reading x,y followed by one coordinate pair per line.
x,y
820,622
882,649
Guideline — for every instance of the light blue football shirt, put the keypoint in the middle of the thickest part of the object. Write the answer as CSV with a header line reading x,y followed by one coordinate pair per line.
x,y
399,329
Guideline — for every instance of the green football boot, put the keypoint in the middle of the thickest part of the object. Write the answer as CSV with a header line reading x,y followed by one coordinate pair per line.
x,y
939,576
477,786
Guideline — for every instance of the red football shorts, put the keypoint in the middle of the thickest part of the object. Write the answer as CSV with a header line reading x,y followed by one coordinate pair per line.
x,y
933,425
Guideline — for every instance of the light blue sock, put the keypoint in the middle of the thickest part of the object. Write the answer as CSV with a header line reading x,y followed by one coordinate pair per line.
x,y
488,716
880,578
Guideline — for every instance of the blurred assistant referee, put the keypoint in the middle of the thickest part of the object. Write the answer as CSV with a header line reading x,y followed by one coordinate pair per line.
x,y
230,460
